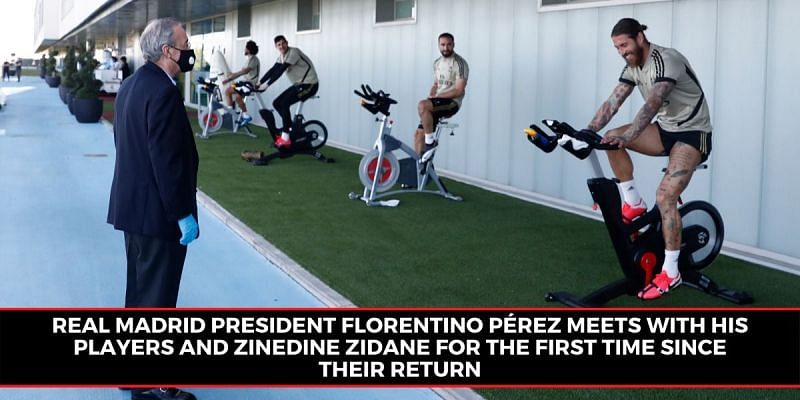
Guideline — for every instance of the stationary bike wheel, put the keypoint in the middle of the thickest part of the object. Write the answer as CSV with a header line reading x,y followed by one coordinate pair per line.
x,y
214,123
702,235
317,132
389,171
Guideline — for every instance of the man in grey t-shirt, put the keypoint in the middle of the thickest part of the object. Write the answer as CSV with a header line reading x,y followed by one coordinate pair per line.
x,y
250,73
450,74
301,72
682,131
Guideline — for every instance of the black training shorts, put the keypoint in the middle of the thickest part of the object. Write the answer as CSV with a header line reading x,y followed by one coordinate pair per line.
x,y
698,139
442,108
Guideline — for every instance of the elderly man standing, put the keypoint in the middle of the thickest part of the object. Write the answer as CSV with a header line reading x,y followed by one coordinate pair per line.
x,y
155,177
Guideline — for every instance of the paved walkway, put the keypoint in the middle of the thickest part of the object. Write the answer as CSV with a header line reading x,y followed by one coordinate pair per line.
x,y
57,251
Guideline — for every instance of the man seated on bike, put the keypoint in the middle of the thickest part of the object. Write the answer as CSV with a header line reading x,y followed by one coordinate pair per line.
x,y
300,71
682,131
250,72
450,74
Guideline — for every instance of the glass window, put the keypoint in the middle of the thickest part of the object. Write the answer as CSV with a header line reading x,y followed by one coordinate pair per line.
x,y
395,10
219,24
245,19
201,27
307,15
403,9
204,26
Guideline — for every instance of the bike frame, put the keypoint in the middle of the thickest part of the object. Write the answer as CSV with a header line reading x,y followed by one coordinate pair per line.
x,y
297,116
386,143
215,102
639,246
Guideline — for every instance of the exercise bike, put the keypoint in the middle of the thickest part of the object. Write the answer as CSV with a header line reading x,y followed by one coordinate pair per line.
x,y
639,245
217,115
307,136
379,169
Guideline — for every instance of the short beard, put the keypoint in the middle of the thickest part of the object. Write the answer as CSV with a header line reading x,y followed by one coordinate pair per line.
x,y
639,54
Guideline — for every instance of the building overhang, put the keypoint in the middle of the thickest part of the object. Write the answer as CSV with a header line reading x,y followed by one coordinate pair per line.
x,y
121,17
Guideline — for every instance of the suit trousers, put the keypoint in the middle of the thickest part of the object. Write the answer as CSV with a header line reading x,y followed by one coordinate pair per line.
x,y
154,271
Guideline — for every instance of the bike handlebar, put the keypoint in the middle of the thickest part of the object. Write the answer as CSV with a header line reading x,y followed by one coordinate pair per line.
x,y
578,143
584,135
373,101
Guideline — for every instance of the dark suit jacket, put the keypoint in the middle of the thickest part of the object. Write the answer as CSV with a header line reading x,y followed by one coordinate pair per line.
x,y
155,176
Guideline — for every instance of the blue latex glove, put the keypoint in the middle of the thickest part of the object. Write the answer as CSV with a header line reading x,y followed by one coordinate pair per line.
x,y
189,229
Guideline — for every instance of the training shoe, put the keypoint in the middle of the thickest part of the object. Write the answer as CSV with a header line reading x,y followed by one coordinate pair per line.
x,y
161,394
428,152
244,120
661,284
280,142
629,213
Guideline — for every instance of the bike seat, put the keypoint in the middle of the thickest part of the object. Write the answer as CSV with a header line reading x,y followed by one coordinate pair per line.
x,y
445,123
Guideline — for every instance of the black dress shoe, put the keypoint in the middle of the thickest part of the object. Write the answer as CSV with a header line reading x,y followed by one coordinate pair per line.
x,y
161,394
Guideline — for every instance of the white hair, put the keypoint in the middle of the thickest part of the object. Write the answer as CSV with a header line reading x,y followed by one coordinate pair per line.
x,y
157,33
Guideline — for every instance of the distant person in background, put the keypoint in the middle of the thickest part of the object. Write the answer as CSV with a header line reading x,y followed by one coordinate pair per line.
x,y
250,73
126,69
450,74
116,67
19,69
107,62
301,72
42,66
6,67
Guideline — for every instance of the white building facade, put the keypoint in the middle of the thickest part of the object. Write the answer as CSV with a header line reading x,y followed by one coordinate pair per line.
x,y
530,61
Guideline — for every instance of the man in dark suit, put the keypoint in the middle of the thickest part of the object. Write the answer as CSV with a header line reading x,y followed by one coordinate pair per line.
x,y
155,177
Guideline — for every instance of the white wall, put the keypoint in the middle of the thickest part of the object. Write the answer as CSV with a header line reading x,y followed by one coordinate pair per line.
x,y
46,21
73,12
526,66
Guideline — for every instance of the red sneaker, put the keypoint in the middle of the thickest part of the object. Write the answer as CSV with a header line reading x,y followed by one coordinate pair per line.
x,y
661,285
280,142
629,212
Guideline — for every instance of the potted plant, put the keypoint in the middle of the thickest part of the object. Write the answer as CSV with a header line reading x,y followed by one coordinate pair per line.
x,y
52,78
86,104
68,75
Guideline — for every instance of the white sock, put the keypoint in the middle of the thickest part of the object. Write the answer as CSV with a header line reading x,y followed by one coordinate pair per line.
x,y
630,193
285,136
244,114
671,262
429,138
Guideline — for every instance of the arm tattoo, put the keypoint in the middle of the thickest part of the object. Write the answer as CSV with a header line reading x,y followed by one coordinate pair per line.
x,y
658,95
610,106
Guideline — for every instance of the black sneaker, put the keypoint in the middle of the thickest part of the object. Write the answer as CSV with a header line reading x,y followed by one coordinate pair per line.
x,y
161,394
428,152
429,147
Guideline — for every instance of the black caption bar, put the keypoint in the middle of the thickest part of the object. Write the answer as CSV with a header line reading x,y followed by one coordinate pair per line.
x,y
413,347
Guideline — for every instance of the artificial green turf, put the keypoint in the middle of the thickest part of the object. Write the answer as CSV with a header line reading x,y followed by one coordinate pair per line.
x,y
489,250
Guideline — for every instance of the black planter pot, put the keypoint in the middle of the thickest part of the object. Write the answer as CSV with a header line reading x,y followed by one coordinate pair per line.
x,y
62,93
87,110
53,81
70,97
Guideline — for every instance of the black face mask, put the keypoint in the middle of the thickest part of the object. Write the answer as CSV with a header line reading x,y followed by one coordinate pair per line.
x,y
186,60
